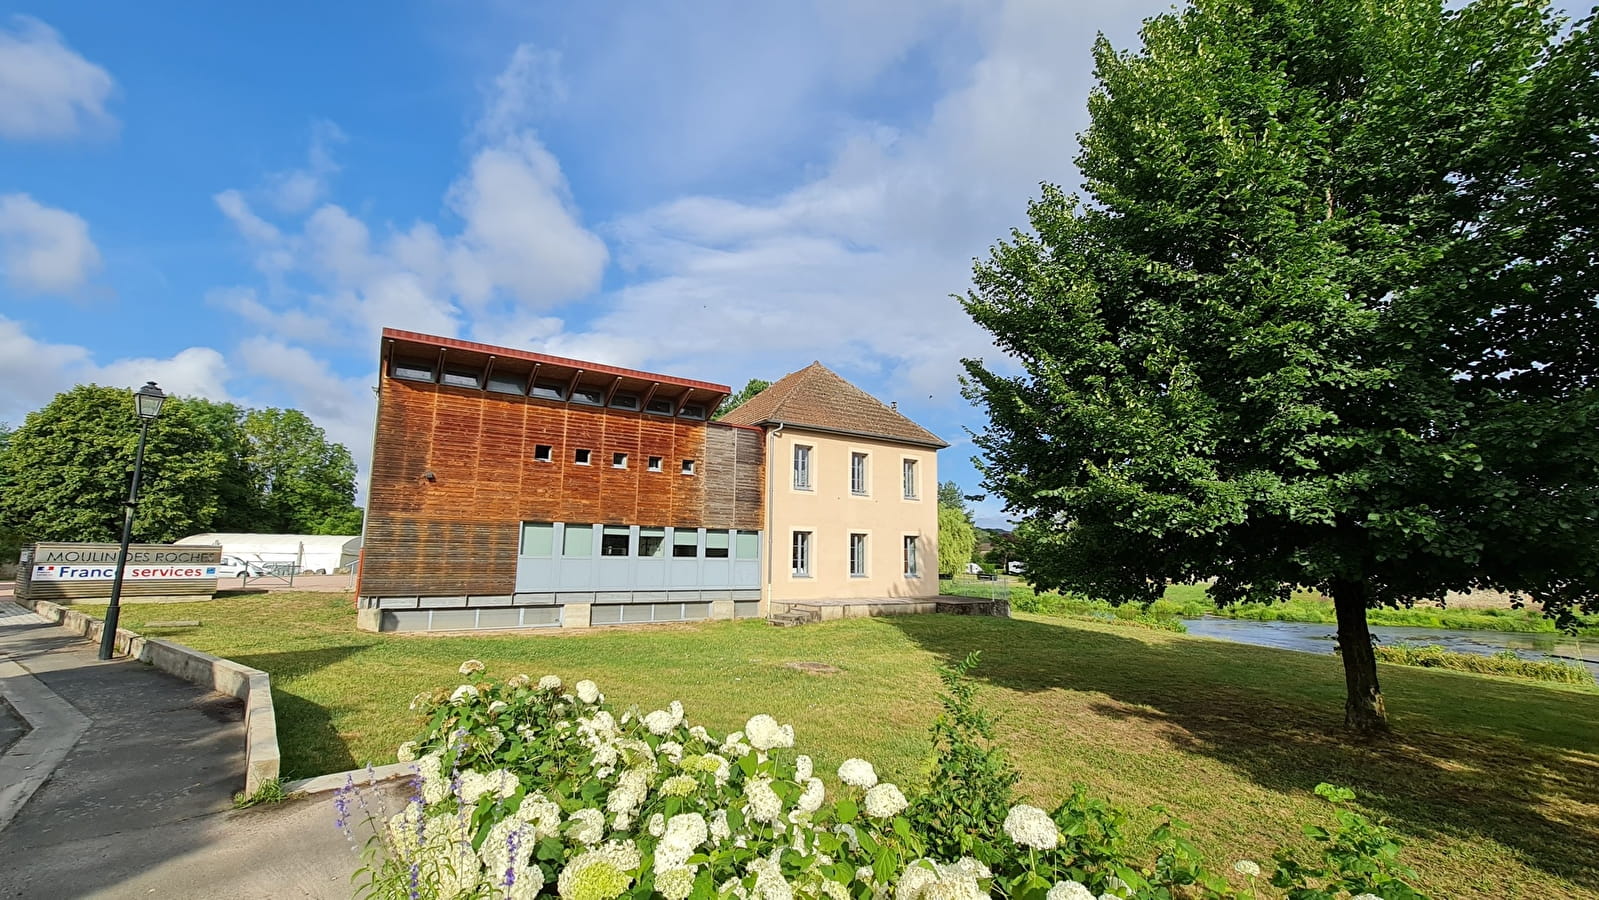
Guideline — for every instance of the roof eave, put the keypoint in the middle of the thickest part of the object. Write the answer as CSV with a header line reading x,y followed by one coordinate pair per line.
x,y
935,444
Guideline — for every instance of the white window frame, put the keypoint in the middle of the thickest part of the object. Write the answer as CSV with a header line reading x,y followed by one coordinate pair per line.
x,y
864,569
865,458
910,476
911,550
618,460
809,482
588,456
801,552
688,467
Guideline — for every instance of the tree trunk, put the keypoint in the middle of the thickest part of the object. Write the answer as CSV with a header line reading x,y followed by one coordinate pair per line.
x,y
1363,710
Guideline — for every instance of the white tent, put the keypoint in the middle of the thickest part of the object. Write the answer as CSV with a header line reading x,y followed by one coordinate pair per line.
x,y
309,553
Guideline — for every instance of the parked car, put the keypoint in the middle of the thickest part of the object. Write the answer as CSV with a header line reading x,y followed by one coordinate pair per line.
x,y
237,567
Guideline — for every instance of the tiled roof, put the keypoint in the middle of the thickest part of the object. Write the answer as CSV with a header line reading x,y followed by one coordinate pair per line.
x,y
816,397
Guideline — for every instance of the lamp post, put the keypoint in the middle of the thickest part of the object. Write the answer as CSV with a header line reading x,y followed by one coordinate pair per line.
x,y
147,403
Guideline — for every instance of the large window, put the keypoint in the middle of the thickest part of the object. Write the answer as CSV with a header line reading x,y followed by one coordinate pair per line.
x,y
913,567
857,474
578,542
802,553
747,545
652,543
685,542
614,540
857,556
717,544
802,467
910,479
538,539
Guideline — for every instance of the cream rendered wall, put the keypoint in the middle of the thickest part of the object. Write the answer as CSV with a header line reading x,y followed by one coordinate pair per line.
x,y
830,511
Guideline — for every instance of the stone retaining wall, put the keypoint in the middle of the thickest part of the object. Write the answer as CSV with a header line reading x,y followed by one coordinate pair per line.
x,y
253,686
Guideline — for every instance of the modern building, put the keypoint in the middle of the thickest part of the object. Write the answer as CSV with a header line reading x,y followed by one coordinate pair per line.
x,y
512,489
852,504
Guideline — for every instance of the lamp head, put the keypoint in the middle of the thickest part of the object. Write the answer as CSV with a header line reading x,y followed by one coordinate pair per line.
x,y
148,399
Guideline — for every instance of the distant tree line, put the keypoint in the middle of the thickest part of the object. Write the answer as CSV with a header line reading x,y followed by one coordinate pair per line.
x,y
208,466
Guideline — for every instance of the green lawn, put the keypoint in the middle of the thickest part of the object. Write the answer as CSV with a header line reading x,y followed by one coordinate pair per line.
x,y
1494,783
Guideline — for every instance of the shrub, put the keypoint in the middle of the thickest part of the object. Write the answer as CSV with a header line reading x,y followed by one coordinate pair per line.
x,y
1432,656
526,789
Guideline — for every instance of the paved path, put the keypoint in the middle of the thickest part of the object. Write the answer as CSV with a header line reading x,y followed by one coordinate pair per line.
x,y
138,802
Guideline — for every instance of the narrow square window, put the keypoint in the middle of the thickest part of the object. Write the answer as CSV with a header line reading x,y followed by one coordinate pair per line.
x,y
686,542
543,452
614,540
580,456
578,541
716,545
802,467
549,390
652,543
538,539
660,407
802,553
910,479
912,565
857,556
618,460
463,378
688,467
655,464
857,474
411,370
507,384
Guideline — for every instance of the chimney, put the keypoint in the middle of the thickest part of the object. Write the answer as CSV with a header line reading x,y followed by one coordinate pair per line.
x,y
894,405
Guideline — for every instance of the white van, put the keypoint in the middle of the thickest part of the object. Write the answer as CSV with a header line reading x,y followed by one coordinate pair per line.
x,y
238,566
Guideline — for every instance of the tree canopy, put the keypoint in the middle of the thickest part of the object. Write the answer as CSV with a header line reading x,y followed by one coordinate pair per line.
x,y
751,388
207,467
1322,317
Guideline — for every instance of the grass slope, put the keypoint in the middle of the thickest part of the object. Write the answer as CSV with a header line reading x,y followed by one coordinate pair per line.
x,y
1494,783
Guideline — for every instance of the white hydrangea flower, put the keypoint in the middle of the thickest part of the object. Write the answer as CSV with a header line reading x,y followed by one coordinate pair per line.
x,y
550,683
1247,867
883,801
543,814
765,734
463,693
475,785
630,792
498,707
472,667
929,880
865,873
661,721
803,768
835,890
685,832
518,681
588,692
698,733
719,830
657,825
857,773
407,752
679,786
811,800
675,884
435,787
764,804
916,879
672,750
455,867
733,740
1365,897
1030,826
599,874
586,826
1069,890
496,849
405,830
769,881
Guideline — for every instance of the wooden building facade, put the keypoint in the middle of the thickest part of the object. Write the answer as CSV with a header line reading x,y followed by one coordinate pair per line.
x,y
512,489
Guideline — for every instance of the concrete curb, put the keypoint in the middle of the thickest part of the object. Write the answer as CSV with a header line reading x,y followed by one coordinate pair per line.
x,y
55,726
262,761
321,784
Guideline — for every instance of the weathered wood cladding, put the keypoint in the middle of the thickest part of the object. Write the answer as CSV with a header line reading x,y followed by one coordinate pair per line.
x,y
456,532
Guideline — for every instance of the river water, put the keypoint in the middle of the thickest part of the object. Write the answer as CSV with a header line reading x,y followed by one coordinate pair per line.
x,y
1314,638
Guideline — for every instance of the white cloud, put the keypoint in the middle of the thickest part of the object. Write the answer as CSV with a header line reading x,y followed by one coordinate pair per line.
x,y
36,371
44,250
47,90
297,190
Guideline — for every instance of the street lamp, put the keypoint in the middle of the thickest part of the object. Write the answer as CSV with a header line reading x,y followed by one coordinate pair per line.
x,y
147,403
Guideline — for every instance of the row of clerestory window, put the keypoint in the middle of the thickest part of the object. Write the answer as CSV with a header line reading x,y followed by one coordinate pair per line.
x,y
585,395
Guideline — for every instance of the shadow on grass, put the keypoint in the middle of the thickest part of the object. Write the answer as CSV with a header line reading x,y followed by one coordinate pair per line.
x,y
1469,757
311,744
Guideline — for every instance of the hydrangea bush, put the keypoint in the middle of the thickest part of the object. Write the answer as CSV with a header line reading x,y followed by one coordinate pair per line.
x,y
529,788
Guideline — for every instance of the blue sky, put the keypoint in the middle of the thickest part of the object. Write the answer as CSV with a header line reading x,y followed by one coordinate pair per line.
x,y
233,199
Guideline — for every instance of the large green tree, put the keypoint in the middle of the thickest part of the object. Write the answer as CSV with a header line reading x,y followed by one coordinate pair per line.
x,y
751,388
65,474
306,482
1324,316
